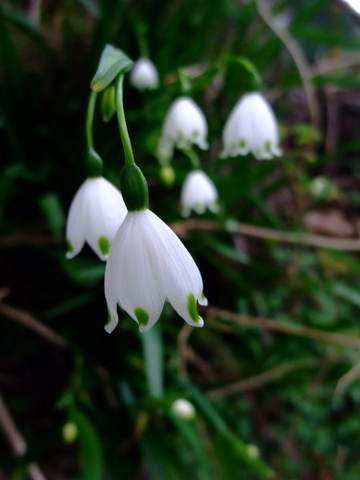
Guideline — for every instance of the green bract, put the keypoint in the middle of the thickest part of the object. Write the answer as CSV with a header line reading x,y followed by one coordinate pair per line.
x,y
112,63
134,188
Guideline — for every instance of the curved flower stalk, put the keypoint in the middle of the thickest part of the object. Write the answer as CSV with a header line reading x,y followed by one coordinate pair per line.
x,y
147,265
184,125
198,193
95,215
144,75
251,127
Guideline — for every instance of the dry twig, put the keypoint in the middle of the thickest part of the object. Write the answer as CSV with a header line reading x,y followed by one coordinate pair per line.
x,y
29,321
289,328
310,240
16,440
295,51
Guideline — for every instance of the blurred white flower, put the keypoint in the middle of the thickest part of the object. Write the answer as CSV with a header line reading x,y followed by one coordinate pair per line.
x,y
147,265
251,127
183,408
95,215
144,75
184,125
198,193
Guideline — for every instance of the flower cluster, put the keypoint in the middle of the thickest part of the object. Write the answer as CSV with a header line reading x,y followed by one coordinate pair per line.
x,y
147,264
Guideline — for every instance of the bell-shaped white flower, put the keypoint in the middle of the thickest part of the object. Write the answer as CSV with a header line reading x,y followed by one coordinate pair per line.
x,y
95,215
184,125
144,75
198,193
147,265
251,127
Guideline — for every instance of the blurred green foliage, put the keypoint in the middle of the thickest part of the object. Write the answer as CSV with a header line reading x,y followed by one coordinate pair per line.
x,y
298,416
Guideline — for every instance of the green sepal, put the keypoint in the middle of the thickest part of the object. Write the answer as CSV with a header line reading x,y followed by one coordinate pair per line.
x,y
134,188
112,63
94,164
108,107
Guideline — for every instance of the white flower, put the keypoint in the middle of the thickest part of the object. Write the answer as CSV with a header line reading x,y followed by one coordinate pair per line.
x,y
147,265
95,215
198,193
182,408
184,125
251,127
144,75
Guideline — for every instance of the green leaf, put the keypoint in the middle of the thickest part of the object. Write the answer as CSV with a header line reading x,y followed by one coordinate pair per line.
x,y
242,450
90,452
51,206
112,63
347,293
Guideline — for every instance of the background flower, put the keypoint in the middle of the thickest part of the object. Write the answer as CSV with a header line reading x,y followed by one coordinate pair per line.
x,y
251,127
184,125
144,74
198,193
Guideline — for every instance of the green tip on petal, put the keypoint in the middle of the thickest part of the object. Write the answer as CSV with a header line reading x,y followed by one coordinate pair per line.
x,y
104,246
142,317
70,248
242,143
192,309
268,146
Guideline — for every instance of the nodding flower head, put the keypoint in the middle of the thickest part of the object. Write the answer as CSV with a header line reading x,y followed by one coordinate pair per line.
x,y
95,215
147,265
144,75
184,125
251,127
198,193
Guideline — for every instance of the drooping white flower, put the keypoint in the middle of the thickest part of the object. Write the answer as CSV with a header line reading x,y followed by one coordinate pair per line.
x,y
184,409
95,215
184,125
251,127
198,193
144,75
147,265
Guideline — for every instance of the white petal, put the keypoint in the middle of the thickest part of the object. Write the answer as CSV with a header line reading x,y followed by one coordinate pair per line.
x,y
181,279
106,212
131,276
75,232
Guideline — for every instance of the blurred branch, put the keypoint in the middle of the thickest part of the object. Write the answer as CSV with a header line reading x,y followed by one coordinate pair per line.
x,y
326,66
320,241
30,322
26,238
348,378
258,381
182,340
16,440
289,328
295,51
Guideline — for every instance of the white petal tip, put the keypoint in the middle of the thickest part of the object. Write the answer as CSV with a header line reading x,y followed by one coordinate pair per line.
x,y
109,327
69,255
203,301
199,323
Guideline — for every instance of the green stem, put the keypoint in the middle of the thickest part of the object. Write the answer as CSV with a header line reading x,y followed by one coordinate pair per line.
x,y
90,120
153,356
250,68
94,162
193,157
124,134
